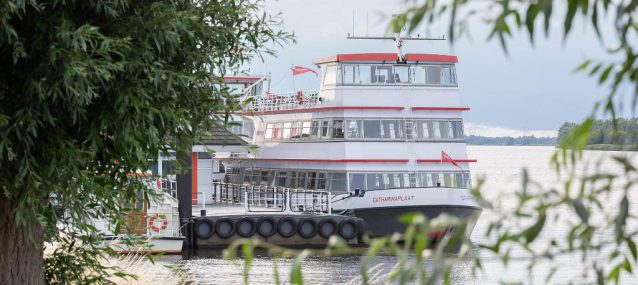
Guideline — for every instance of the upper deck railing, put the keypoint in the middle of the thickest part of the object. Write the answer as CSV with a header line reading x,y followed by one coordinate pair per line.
x,y
280,102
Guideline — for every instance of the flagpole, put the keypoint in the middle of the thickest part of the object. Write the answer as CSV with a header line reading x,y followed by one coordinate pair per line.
x,y
294,89
441,169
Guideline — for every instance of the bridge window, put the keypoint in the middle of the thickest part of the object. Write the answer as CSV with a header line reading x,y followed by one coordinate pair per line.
x,y
372,129
415,74
401,74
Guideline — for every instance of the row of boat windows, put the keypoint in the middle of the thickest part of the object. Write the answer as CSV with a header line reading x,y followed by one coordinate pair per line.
x,y
375,74
336,181
312,180
391,129
375,181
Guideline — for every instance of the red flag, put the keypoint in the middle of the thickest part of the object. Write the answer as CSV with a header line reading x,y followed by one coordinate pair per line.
x,y
296,70
447,158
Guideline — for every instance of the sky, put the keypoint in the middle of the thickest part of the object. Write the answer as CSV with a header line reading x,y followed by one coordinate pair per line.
x,y
533,90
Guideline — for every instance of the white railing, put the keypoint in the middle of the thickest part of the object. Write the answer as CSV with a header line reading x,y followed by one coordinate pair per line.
x,y
272,199
288,101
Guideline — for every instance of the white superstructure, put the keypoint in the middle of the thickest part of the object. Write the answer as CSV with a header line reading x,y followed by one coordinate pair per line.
x,y
378,125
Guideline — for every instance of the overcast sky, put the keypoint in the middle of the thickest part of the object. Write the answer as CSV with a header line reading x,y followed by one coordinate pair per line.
x,y
533,89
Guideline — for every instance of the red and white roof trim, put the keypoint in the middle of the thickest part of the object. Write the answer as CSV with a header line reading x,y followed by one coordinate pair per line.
x,y
387,57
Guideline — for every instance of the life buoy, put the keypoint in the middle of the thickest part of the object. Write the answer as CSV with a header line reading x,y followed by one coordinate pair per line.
x,y
299,97
162,219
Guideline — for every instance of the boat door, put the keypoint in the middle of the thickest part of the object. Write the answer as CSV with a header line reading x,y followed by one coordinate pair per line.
x,y
136,217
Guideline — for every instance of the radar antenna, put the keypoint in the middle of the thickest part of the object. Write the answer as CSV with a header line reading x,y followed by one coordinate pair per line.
x,y
397,38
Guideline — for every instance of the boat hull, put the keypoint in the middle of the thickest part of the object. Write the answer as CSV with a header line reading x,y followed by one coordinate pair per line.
x,y
154,245
386,221
382,209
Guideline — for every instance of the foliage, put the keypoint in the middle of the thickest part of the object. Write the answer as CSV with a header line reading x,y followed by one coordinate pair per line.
x,y
614,132
413,251
89,90
524,140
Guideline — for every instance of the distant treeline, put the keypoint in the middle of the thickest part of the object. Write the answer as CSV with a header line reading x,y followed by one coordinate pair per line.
x,y
603,133
524,140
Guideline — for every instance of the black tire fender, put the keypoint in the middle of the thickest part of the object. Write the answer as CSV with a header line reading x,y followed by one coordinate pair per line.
x,y
243,221
199,227
223,232
281,224
323,231
262,231
348,229
302,227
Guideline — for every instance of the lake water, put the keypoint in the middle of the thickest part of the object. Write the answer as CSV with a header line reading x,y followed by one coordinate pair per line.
x,y
500,166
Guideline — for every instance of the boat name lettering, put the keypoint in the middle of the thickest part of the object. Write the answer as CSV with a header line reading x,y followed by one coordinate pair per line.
x,y
392,199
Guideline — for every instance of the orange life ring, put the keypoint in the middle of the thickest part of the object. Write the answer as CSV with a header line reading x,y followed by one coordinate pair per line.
x,y
163,219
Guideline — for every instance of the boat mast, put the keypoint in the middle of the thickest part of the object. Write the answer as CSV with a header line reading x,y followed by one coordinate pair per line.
x,y
398,40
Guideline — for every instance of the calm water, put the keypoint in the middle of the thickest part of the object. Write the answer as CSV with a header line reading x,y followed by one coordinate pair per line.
x,y
500,166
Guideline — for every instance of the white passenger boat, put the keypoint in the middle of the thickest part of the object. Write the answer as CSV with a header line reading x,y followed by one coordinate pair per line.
x,y
152,227
384,134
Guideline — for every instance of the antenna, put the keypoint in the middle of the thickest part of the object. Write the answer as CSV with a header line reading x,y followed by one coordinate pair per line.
x,y
398,40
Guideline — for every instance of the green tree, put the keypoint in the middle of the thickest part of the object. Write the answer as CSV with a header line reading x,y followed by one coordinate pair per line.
x,y
89,90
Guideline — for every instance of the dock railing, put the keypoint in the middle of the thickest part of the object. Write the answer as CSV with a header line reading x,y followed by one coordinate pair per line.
x,y
271,199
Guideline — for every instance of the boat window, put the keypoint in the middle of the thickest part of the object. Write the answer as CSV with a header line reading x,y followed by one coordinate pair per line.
x,y
457,127
337,129
401,74
337,182
443,127
375,181
363,74
295,131
357,181
325,129
434,75
440,75
269,131
314,131
331,75
371,129
382,74
321,181
286,130
312,180
349,74
436,130
447,75
301,180
390,129
305,130
353,128
418,74
281,179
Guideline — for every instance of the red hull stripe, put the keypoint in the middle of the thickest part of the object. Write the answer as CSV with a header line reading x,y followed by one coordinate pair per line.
x,y
315,159
387,57
339,160
438,160
440,109
321,109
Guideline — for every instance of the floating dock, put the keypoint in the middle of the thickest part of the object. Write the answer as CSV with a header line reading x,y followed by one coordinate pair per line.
x,y
277,215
